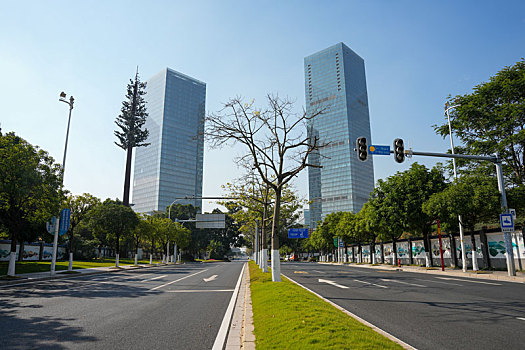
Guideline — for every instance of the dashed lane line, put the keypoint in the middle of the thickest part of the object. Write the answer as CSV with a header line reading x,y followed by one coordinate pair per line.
x,y
451,284
373,284
154,278
396,281
180,279
471,281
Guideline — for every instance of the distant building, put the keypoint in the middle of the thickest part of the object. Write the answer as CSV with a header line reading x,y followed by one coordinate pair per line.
x,y
335,79
304,217
171,166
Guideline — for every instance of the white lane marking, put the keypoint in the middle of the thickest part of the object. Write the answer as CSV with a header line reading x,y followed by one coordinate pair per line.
x,y
452,284
373,284
333,283
200,291
154,278
220,341
464,280
317,271
521,318
211,278
180,279
396,281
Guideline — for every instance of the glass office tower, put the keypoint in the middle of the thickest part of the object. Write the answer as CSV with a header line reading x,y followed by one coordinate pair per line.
x,y
335,83
171,166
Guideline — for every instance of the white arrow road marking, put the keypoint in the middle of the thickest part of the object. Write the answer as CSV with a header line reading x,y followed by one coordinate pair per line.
x,y
180,279
332,283
411,284
521,318
154,278
462,280
373,284
211,278
452,284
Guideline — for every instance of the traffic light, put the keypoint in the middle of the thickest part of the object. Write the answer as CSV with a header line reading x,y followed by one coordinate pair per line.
x,y
362,149
399,150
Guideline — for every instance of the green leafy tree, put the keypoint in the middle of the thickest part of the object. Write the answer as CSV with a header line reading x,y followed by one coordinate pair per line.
x,y
255,202
30,190
476,198
323,236
114,220
79,205
131,122
492,119
140,233
387,202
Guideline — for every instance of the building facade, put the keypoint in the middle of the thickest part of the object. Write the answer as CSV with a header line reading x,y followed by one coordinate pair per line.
x,y
171,166
335,84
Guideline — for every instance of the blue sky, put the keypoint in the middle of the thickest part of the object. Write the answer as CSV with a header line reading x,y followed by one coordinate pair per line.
x,y
415,52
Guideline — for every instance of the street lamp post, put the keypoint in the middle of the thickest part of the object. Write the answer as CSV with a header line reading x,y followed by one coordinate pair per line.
x,y
461,235
57,223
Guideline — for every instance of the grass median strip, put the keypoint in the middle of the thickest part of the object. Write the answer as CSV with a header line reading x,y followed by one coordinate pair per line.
x,y
286,316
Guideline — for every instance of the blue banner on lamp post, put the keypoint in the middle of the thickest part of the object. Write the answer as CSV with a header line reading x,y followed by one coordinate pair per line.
x,y
64,221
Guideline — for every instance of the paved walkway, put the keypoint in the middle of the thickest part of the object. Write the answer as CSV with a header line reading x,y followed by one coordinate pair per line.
x,y
489,275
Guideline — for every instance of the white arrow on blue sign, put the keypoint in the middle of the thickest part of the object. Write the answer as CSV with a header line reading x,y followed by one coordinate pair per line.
x,y
298,233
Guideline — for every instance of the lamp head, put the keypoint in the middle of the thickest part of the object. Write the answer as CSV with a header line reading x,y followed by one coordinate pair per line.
x,y
62,94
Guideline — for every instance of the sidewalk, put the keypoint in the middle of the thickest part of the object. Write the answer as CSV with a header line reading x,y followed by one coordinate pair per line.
x,y
43,276
488,275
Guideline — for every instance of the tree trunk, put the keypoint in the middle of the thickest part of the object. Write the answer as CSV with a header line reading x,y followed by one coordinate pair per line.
x,y
382,253
127,177
474,255
263,238
70,266
373,252
117,255
276,263
410,255
394,245
12,257
21,251
453,250
484,248
41,251
426,244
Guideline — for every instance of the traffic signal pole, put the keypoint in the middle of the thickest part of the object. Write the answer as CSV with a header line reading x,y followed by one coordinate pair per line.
x,y
501,184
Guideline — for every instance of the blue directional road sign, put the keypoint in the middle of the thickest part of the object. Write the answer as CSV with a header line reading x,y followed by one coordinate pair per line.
x,y
297,233
379,150
64,221
507,222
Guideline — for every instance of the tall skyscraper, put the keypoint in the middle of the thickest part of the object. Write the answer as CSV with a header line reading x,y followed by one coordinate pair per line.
x,y
335,82
171,166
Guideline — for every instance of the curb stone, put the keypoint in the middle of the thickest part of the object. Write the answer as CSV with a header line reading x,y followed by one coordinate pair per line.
x,y
240,334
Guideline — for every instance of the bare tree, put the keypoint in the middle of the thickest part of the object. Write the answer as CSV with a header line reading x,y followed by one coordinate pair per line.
x,y
276,142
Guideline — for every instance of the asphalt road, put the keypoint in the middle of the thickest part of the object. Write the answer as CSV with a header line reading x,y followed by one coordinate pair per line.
x,y
162,307
426,311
